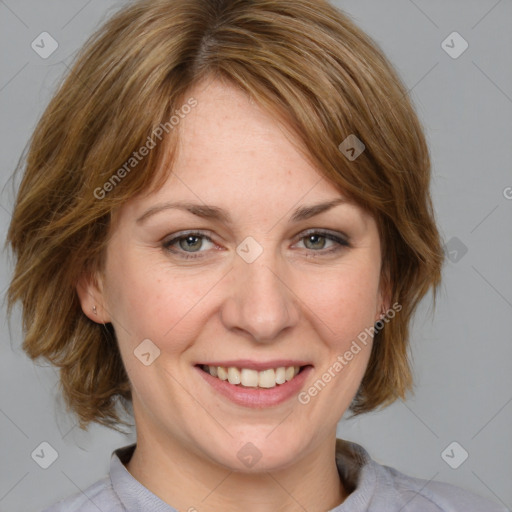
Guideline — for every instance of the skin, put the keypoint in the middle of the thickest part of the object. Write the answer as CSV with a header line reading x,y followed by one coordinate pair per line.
x,y
295,301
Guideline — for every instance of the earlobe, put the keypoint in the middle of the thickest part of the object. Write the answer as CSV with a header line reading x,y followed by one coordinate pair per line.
x,y
89,289
384,302
380,314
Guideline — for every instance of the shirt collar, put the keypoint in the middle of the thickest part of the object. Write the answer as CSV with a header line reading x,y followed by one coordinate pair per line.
x,y
131,493
352,460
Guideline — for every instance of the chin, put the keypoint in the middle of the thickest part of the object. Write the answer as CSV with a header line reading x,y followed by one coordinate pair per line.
x,y
258,452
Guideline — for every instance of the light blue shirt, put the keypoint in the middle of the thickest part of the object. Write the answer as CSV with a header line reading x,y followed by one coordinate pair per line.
x,y
372,486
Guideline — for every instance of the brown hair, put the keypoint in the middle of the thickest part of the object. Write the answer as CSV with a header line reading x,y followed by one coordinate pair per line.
x,y
301,59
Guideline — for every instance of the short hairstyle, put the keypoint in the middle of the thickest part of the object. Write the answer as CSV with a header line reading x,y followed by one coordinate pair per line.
x,y
304,61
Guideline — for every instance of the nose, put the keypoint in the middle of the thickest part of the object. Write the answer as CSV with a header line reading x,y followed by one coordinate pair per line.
x,y
260,302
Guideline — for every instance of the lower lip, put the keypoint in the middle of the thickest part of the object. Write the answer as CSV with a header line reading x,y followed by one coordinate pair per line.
x,y
257,397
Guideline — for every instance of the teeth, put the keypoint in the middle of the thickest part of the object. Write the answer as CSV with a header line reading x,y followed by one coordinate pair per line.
x,y
249,378
252,378
234,376
281,375
267,378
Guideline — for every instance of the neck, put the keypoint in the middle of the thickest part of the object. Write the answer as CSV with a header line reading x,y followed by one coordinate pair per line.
x,y
189,482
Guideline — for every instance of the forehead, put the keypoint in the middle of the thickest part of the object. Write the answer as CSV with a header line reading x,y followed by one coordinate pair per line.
x,y
236,156
227,125
228,140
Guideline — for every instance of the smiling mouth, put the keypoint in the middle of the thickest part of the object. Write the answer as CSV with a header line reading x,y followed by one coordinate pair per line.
x,y
245,377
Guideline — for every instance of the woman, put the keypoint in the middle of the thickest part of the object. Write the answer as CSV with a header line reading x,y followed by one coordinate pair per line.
x,y
225,223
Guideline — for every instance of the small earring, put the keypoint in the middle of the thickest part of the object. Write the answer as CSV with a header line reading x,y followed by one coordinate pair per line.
x,y
379,324
94,310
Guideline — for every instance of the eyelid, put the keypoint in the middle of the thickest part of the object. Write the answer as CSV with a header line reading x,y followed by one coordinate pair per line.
x,y
209,233
342,237
174,237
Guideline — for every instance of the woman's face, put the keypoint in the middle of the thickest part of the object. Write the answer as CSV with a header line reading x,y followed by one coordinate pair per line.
x,y
251,274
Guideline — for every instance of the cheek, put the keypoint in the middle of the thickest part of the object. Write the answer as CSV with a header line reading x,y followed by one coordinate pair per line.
x,y
344,300
147,300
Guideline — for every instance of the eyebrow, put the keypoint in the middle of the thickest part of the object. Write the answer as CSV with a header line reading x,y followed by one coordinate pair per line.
x,y
215,213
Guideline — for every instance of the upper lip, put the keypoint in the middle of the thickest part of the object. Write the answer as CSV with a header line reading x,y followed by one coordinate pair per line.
x,y
256,365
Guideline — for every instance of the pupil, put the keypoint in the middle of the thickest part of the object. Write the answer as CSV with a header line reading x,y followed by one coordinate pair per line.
x,y
191,245
315,239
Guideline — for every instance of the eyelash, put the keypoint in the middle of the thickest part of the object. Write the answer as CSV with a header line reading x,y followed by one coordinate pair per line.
x,y
339,241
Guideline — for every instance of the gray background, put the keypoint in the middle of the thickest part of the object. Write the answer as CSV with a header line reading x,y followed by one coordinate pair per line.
x,y
462,354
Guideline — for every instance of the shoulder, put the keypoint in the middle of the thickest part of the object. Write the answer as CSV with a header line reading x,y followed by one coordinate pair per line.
x,y
375,487
98,496
432,496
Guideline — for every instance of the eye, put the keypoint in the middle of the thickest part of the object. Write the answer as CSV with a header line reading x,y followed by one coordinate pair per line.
x,y
316,241
186,244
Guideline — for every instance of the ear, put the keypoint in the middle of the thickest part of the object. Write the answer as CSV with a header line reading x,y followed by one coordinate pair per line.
x,y
384,296
90,293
